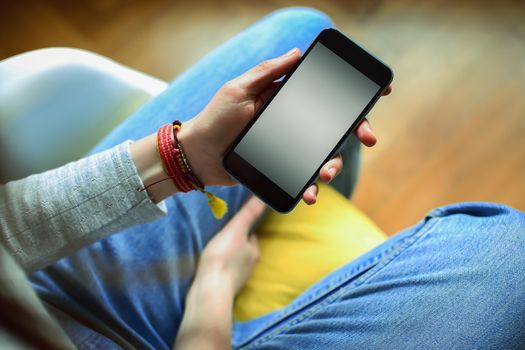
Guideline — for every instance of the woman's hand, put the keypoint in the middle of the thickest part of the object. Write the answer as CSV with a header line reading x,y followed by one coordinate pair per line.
x,y
224,267
232,252
206,137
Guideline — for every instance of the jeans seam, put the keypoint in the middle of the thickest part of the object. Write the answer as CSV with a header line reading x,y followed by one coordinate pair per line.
x,y
366,265
362,268
330,299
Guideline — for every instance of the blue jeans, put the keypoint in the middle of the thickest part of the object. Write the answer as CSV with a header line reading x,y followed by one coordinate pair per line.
x,y
455,280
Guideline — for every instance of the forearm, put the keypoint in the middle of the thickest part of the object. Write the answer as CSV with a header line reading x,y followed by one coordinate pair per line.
x,y
47,216
207,320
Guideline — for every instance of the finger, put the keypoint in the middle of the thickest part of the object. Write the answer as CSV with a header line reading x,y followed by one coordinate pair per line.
x,y
259,77
365,134
253,247
265,94
310,195
253,238
387,91
246,216
331,169
253,241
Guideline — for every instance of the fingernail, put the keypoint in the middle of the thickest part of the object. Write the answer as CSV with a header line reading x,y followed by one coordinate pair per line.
x,y
332,172
289,53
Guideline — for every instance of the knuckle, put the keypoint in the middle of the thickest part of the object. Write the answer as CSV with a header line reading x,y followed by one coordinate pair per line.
x,y
229,85
264,65
230,88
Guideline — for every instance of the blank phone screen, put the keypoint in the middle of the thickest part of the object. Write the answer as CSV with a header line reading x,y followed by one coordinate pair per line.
x,y
306,119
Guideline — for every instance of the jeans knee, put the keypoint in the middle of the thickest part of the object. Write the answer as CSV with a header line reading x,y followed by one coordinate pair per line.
x,y
497,229
509,228
292,17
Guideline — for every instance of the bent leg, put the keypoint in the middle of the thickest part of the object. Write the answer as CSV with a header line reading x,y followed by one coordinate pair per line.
x,y
455,281
135,281
189,93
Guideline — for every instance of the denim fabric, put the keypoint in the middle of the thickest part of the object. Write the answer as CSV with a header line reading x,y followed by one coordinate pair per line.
x,y
454,280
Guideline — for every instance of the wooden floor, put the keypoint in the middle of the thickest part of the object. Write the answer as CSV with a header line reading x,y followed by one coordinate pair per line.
x,y
452,130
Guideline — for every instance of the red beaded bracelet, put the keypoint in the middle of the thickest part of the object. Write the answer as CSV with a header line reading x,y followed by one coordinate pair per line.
x,y
170,153
178,169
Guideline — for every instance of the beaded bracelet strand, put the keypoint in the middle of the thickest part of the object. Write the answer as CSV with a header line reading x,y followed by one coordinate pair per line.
x,y
178,169
217,205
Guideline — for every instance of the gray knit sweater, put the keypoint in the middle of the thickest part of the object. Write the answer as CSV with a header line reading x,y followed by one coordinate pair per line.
x,y
48,216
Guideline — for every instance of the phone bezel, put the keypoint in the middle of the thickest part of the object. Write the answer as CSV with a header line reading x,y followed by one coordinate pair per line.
x,y
256,181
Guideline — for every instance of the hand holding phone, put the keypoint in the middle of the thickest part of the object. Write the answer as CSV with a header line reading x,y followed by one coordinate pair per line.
x,y
208,135
307,119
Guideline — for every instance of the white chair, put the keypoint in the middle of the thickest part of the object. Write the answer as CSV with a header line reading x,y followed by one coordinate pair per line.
x,y
57,103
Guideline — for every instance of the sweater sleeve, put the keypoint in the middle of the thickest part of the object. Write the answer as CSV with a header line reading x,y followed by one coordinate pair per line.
x,y
47,216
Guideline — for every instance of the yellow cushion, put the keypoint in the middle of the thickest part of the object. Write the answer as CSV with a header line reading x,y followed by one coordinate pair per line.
x,y
300,248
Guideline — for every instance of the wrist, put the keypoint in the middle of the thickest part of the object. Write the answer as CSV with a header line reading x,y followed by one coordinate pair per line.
x,y
194,151
149,166
207,317
204,154
211,287
215,278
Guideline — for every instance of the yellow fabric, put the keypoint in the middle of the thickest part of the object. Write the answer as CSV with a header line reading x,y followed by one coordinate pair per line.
x,y
300,248
218,206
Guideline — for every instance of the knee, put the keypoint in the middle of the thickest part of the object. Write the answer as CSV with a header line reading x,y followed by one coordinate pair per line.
x,y
479,248
506,227
489,218
304,18
497,230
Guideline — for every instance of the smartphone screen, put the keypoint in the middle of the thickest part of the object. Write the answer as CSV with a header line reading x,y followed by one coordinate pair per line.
x,y
306,119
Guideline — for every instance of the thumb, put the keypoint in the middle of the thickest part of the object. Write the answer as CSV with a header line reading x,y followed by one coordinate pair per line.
x,y
261,76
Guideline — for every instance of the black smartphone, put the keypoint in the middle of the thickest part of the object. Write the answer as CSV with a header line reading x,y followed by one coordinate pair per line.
x,y
305,122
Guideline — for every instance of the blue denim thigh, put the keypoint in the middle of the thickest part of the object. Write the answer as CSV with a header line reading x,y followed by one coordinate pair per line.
x,y
454,281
